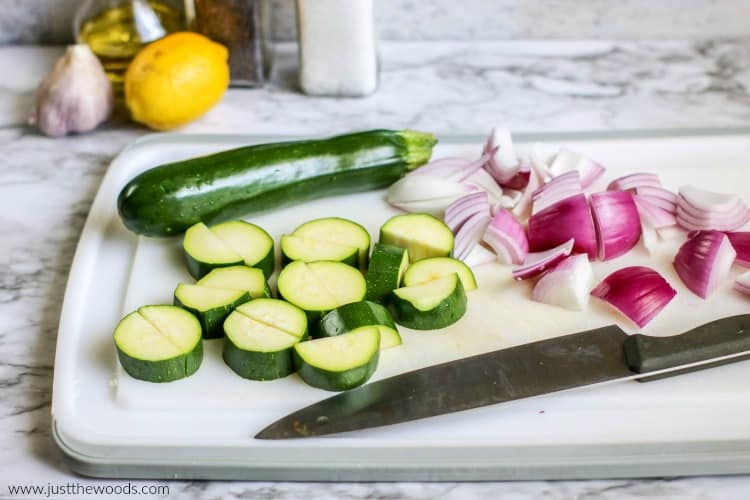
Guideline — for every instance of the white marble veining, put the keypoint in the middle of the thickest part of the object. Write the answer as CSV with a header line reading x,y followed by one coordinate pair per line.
x,y
47,185
50,21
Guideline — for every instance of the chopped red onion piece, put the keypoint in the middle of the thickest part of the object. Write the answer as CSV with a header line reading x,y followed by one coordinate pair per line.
x,y
506,236
454,169
557,189
634,181
537,262
663,204
708,201
649,237
520,180
539,164
721,222
425,193
638,292
704,260
503,164
464,208
618,226
566,285
655,216
479,255
742,283
566,161
741,244
484,181
566,219
524,203
469,234
657,192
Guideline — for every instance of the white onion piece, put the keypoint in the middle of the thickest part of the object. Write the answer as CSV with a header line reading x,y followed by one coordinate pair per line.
x,y
708,201
742,283
469,234
704,260
634,181
741,244
538,163
655,216
506,236
479,255
671,233
538,262
638,292
567,285
566,161
453,169
617,223
425,193
465,208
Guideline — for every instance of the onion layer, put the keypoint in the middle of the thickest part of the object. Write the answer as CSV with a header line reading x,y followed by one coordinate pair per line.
x,y
638,292
700,209
566,161
538,262
506,236
741,244
704,260
617,223
742,283
566,219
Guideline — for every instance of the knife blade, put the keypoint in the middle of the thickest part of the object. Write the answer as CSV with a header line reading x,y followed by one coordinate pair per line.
x,y
594,357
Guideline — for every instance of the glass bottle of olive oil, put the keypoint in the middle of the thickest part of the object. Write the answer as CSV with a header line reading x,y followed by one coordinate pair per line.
x,y
117,29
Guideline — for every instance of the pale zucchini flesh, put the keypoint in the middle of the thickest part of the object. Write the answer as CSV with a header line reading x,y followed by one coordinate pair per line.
x,y
423,235
439,267
249,241
309,250
339,363
429,306
159,343
338,231
249,279
210,305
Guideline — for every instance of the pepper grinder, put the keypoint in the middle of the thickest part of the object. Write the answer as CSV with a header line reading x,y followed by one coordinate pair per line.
x,y
337,48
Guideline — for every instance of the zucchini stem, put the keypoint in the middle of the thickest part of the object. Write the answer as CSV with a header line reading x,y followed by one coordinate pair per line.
x,y
418,147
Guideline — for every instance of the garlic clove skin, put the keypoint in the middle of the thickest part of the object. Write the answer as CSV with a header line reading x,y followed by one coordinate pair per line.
x,y
75,97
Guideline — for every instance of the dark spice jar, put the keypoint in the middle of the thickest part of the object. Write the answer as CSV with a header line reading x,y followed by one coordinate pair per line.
x,y
242,26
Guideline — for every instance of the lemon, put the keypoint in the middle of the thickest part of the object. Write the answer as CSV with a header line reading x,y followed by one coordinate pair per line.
x,y
176,79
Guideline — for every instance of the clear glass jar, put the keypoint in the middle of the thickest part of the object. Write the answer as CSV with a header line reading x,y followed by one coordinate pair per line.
x,y
117,29
243,26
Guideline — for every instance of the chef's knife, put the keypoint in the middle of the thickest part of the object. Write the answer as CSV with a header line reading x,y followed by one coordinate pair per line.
x,y
603,355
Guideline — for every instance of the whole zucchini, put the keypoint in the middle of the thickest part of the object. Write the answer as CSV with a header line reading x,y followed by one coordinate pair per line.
x,y
168,199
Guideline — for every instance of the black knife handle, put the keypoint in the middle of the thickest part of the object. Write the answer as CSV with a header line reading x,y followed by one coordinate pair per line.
x,y
722,337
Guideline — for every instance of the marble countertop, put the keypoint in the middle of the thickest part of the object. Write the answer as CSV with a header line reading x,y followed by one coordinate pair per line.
x,y
441,87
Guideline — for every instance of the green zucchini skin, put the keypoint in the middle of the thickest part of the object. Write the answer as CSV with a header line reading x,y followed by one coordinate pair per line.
x,y
168,199
258,365
212,320
335,381
351,316
167,370
385,271
447,312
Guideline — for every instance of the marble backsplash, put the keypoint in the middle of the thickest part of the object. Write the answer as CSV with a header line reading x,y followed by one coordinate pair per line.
x,y
49,21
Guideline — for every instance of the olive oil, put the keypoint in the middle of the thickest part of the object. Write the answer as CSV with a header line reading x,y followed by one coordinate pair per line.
x,y
118,31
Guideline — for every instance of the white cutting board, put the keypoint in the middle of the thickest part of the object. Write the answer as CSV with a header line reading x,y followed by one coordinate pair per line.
x,y
101,411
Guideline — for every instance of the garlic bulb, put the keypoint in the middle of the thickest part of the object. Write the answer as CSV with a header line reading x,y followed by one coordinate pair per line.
x,y
76,96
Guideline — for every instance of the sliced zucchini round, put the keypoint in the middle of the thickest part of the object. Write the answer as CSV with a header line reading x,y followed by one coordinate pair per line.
x,y
387,266
159,343
249,241
339,231
423,235
317,287
250,279
259,338
439,267
352,316
429,306
310,250
205,251
210,305
339,363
